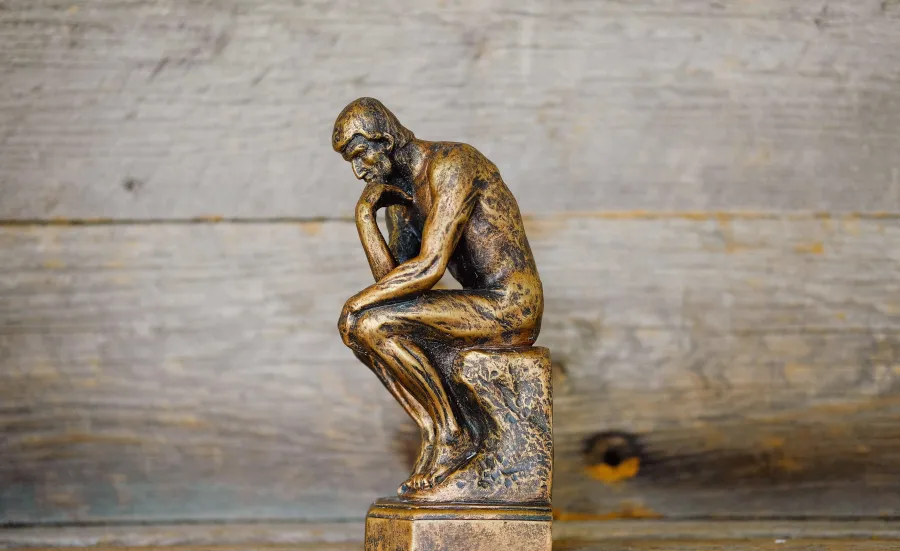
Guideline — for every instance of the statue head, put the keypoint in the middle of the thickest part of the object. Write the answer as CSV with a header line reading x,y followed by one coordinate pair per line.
x,y
367,134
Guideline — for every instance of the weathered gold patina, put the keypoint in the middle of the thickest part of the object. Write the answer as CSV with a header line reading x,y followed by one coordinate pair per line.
x,y
460,362
394,524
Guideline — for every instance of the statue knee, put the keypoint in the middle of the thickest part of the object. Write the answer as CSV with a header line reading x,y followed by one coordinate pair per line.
x,y
345,328
369,328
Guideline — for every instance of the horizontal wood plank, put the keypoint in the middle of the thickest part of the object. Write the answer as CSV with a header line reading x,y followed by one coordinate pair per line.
x,y
616,535
140,109
706,365
632,545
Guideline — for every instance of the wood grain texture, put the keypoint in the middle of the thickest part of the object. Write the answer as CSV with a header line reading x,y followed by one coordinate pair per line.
x,y
617,536
752,545
706,365
153,109
351,533
632,545
179,535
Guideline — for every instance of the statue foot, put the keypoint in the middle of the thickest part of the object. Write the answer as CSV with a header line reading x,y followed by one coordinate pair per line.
x,y
416,479
414,483
424,459
450,453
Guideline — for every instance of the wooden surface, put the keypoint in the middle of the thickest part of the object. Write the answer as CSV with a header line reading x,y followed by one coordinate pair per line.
x,y
706,365
630,545
175,249
154,109
615,535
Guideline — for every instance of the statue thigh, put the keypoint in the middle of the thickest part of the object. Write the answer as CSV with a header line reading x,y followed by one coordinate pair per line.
x,y
455,318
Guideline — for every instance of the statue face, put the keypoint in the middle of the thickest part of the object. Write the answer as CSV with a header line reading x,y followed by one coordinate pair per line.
x,y
369,159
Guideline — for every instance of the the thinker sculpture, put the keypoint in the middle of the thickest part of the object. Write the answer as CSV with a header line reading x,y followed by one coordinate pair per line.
x,y
460,362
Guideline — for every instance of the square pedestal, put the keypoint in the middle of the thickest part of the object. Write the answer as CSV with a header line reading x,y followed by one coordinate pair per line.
x,y
395,525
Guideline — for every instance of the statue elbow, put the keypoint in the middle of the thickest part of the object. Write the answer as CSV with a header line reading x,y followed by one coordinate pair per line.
x,y
432,271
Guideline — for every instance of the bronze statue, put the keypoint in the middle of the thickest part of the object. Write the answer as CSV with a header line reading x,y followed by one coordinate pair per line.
x,y
459,362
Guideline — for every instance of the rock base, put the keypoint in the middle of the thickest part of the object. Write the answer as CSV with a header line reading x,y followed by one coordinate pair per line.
x,y
508,392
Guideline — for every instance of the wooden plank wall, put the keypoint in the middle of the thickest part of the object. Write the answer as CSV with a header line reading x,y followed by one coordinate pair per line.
x,y
712,191
621,535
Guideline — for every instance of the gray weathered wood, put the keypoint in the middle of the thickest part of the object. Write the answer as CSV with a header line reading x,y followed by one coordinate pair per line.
x,y
234,533
155,109
726,533
193,371
600,545
722,545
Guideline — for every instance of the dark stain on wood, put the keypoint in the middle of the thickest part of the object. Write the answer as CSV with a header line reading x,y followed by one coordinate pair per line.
x,y
132,185
613,456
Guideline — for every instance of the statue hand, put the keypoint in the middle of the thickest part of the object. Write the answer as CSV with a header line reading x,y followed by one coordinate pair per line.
x,y
376,196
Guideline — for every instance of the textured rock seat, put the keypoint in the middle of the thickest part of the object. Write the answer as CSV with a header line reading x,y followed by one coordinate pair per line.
x,y
510,391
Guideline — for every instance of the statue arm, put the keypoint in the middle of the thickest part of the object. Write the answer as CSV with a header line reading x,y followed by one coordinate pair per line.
x,y
381,261
381,256
404,240
448,217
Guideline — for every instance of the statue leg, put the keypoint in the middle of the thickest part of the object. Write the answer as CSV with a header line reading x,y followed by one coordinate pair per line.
x,y
410,405
396,333
453,445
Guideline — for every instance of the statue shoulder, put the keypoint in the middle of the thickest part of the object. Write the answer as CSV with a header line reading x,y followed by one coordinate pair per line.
x,y
454,160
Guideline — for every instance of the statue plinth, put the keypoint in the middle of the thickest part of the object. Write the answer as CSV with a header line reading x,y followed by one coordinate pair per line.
x,y
500,499
396,525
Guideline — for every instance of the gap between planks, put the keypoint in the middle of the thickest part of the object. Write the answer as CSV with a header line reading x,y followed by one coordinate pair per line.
x,y
601,215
